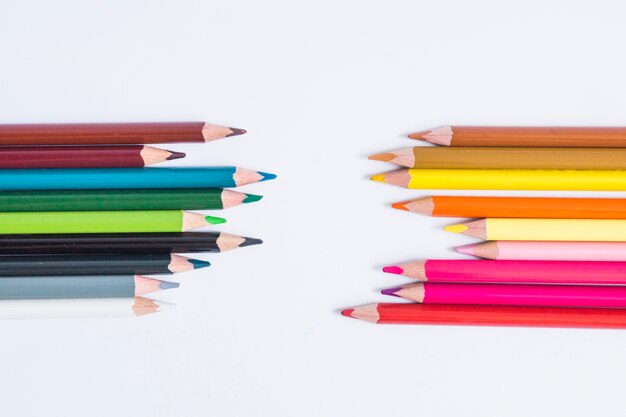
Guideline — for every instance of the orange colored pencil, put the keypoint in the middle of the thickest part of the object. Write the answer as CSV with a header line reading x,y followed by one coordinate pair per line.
x,y
568,137
513,207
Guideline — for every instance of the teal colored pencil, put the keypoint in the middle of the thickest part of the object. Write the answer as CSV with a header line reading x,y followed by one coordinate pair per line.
x,y
104,286
125,178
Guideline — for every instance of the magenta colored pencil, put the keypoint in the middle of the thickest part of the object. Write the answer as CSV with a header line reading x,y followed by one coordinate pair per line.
x,y
513,272
513,294
556,251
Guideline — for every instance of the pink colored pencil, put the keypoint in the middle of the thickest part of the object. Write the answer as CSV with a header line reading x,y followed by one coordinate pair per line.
x,y
547,251
513,271
513,294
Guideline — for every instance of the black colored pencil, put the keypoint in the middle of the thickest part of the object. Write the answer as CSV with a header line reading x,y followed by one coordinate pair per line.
x,y
124,243
96,264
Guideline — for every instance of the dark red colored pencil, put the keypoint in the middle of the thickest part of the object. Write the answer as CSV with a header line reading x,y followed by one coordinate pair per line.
x,y
83,156
112,133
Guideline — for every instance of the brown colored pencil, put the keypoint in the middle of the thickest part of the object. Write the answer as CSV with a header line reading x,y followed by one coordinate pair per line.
x,y
112,133
506,158
130,156
569,137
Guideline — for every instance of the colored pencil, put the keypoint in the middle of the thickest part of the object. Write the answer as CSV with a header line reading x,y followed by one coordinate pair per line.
x,y
512,271
473,315
111,200
78,286
76,308
97,264
500,179
570,137
83,156
506,158
112,133
124,178
141,221
133,243
527,207
591,230
547,251
597,296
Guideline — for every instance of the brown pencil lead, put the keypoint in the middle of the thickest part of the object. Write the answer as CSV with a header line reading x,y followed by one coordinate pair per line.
x,y
176,155
439,136
385,157
236,132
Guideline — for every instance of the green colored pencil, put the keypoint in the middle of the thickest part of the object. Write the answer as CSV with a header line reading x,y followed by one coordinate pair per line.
x,y
43,222
113,200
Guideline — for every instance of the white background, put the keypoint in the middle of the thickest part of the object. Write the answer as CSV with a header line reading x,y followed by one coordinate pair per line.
x,y
319,85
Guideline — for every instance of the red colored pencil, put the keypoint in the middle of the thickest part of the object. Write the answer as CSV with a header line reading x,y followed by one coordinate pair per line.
x,y
472,315
112,133
512,271
83,156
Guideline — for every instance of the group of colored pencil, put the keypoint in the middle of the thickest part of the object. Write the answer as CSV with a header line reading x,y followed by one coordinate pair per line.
x,y
82,220
549,262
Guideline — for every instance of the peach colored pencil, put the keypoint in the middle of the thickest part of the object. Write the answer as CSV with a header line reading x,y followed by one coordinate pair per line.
x,y
556,251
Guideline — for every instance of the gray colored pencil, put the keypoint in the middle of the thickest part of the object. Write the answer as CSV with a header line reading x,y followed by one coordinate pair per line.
x,y
105,286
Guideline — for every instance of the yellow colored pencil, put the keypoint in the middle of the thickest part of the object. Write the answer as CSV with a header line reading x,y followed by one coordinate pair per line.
x,y
592,230
503,179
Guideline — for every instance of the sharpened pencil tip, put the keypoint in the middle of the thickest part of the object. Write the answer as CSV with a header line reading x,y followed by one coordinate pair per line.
x,y
400,206
249,241
214,220
385,157
267,176
378,178
393,270
251,198
456,228
347,312
176,155
466,250
198,264
391,291
166,285
236,131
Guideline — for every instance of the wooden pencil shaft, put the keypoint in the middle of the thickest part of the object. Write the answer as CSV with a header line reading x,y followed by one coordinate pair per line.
x,y
90,264
111,200
518,158
44,287
522,136
111,133
98,243
529,207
